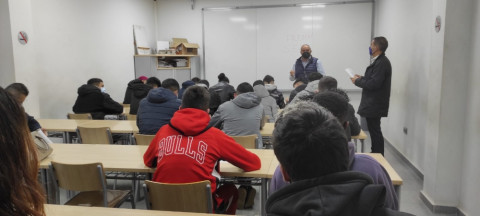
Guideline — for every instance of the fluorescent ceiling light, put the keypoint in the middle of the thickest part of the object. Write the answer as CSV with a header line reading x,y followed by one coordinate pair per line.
x,y
312,26
313,5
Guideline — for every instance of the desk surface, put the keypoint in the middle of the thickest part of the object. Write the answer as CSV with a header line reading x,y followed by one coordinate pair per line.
x,y
267,130
70,125
62,210
362,135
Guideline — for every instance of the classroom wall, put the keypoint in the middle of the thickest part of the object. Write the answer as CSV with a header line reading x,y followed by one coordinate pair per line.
x,y
79,40
7,70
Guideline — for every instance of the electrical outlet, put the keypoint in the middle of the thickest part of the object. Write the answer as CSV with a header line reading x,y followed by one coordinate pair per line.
x,y
405,130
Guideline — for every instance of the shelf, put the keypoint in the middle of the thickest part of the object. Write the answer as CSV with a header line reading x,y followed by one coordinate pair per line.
x,y
164,55
172,68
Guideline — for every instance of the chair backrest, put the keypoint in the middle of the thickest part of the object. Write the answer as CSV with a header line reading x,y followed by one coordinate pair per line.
x,y
143,139
248,141
90,135
78,177
79,116
126,105
187,197
131,117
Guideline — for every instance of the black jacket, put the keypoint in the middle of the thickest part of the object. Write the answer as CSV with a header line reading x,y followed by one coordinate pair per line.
x,y
128,93
353,124
91,100
139,91
344,194
296,91
224,90
376,86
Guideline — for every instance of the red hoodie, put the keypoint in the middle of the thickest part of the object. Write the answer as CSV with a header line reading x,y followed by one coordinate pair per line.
x,y
184,154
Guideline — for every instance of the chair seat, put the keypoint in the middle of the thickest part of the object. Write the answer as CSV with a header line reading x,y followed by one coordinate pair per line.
x,y
95,198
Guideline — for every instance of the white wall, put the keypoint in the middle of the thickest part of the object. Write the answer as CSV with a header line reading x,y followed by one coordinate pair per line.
x,y
7,70
79,40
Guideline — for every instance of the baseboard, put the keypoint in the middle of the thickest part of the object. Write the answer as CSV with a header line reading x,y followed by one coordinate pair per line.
x,y
439,209
404,159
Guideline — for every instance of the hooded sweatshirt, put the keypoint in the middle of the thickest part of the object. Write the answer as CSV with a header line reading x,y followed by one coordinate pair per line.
x,y
139,91
186,150
156,110
240,116
185,85
309,91
277,95
224,90
128,92
270,107
91,100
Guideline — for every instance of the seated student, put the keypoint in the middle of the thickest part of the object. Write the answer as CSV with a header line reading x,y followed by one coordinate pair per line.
x,y
328,83
140,91
185,85
158,107
298,86
241,116
128,92
198,149
21,193
20,92
223,89
311,146
310,89
272,89
196,80
93,99
270,107
338,106
258,82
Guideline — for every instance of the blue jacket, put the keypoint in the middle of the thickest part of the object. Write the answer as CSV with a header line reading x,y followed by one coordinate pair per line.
x,y
156,110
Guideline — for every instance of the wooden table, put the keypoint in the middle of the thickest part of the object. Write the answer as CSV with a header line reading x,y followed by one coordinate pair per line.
x,y
62,210
362,136
267,130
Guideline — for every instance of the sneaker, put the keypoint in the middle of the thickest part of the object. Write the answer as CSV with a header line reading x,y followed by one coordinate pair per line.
x,y
249,201
242,195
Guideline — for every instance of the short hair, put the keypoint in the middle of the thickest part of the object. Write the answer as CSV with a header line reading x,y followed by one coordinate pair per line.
x,y
223,78
205,82
171,84
268,79
381,43
309,142
196,97
17,89
258,82
341,92
196,80
314,76
327,83
152,81
94,81
299,80
334,102
305,45
244,88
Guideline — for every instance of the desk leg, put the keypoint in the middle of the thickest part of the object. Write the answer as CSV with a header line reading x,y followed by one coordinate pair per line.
x,y
397,191
363,144
356,148
264,196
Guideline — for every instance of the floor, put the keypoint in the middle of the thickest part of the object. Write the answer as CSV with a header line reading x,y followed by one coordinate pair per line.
x,y
409,201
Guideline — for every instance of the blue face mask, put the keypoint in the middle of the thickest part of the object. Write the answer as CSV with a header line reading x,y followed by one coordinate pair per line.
x,y
370,51
103,89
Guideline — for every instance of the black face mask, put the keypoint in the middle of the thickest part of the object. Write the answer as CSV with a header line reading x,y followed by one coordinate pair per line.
x,y
306,55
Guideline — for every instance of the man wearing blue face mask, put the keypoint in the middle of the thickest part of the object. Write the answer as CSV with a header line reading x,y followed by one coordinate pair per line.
x,y
306,64
92,98
376,85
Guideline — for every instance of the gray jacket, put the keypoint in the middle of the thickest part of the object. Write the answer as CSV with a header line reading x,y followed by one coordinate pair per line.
x,y
241,116
308,92
269,103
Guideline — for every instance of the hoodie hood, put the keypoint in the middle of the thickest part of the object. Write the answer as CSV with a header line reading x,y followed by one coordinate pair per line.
x,y
270,87
87,89
160,95
140,90
134,82
187,84
261,91
312,86
190,121
247,100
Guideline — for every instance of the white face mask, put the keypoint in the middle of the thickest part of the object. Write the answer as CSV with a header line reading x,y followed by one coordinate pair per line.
x,y
103,89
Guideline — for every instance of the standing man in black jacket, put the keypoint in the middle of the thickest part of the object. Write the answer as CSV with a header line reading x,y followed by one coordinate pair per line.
x,y
376,84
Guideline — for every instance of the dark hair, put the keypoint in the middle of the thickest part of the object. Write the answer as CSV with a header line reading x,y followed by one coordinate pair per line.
x,y
309,142
381,43
21,191
244,88
258,82
314,76
154,81
327,83
94,81
205,82
196,97
268,79
17,89
341,92
333,102
223,78
299,80
196,80
171,84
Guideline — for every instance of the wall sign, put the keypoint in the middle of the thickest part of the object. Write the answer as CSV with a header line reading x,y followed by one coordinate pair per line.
x,y
438,23
22,37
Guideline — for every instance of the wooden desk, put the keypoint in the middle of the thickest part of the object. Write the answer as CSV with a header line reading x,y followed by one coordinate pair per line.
x,y
70,125
362,136
62,210
267,130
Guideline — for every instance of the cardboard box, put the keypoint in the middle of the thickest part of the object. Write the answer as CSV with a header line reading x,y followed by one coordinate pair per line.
x,y
187,49
177,41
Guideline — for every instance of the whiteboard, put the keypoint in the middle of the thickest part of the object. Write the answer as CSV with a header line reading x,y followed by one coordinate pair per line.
x,y
247,44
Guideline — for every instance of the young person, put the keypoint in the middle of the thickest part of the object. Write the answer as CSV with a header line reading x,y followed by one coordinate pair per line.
x,y
20,92
270,107
241,116
93,99
21,193
158,107
185,85
187,150
311,146
310,89
298,86
223,89
269,82
128,92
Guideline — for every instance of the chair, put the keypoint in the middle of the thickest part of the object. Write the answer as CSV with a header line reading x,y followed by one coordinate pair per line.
x,y
186,197
89,180
131,116
79,116
90,135
248,141
143,139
